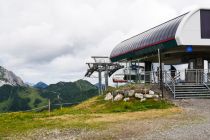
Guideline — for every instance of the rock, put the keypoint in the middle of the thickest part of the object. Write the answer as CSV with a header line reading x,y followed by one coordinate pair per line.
x,y
126,92
108,97
151,92
156,96
138,90
131,93
118,97
121,92
114,93
148,96
126,99
146,91
143,99
139,95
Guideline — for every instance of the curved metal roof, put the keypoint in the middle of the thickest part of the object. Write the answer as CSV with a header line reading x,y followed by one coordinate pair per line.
x,y
162,33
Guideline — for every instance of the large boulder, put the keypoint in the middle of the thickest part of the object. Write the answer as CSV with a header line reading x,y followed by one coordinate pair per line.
x,y
126,99
108,97
115,93
118,97
131,93
151,92
156,96
126,92
139,95
146,91
148,96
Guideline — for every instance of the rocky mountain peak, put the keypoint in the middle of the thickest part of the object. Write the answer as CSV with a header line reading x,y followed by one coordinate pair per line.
x,y
9,78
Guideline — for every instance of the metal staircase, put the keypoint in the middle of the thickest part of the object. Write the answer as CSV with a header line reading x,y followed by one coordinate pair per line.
x,y
191,91
184,90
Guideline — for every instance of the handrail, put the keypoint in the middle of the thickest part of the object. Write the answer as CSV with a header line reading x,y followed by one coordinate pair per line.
x,y
205,75
172,80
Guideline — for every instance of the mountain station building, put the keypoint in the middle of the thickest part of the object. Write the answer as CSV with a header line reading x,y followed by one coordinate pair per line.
x,y
181,40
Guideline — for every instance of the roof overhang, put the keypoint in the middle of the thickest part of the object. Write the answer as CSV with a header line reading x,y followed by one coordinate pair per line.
x,y
178,32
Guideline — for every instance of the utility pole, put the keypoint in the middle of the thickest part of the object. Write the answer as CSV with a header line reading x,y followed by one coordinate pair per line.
x,y
160,71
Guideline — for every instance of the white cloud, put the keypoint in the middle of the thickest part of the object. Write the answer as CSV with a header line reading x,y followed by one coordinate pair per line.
x,y
50,40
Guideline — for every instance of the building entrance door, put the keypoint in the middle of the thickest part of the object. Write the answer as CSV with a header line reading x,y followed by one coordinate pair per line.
x,y
195,71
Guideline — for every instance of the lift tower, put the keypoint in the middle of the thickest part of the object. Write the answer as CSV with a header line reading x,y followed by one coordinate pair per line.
x,y
102,64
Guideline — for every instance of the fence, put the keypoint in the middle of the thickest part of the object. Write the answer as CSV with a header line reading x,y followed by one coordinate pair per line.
x,y
188,76
48,107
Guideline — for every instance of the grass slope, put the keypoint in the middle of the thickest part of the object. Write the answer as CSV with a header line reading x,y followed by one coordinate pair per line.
x,y
70,92
19,98
98,105
93,113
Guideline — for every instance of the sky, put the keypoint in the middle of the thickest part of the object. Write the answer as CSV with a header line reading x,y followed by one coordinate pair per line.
x,y
51,40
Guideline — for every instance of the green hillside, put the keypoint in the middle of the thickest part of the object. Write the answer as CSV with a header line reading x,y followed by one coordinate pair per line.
x,y
16,98
69,92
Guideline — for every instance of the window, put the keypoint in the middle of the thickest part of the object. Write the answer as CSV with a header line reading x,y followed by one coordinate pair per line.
x,y
205,24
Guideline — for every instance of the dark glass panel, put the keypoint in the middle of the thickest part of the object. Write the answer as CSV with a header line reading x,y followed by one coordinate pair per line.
x,y
205,24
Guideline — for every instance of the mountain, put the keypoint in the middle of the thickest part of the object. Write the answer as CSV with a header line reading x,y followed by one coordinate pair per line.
x,y
9,78
40,85
70,92
102,85
29,84
16,98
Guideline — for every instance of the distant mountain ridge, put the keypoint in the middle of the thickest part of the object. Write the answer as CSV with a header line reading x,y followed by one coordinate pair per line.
x,y
17,96
9,78
29,84
72,92
40,85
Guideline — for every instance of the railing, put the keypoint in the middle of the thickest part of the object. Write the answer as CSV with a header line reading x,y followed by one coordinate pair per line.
x,y
170,83
187,76
206,81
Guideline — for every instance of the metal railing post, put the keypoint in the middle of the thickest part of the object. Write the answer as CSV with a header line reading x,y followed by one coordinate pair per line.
x,y
165,77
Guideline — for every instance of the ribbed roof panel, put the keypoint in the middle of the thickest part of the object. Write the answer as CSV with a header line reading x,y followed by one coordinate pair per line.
x,y
161,33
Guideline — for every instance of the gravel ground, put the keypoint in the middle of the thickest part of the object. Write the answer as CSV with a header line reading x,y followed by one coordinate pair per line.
x,y
193,123
193,130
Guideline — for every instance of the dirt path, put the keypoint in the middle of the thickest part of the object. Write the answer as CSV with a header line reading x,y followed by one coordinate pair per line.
x,y
193,123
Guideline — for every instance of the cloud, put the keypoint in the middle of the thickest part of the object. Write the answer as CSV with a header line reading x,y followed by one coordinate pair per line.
x,y
50,40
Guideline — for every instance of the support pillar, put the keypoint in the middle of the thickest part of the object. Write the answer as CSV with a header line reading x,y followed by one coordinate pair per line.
x,y
99,82
208,70
208,67
106,78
